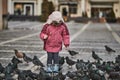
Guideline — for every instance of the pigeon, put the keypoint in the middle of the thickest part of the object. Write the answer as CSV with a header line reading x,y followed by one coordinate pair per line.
x,y
95,56
18,54
61,60
9,69
26,58
31,74
114,75
85,76
79,64
117,59
22,74
95,76
43,75
8,77
61,76
72,53
108,49
15,60
108,67
1,68
28,78
37,62
70,62
71,75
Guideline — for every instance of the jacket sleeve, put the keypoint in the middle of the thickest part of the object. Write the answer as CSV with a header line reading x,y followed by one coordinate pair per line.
x,y
66,38
43,31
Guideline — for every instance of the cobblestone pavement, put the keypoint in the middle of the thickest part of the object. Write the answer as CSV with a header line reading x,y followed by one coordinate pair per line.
x,y
24,36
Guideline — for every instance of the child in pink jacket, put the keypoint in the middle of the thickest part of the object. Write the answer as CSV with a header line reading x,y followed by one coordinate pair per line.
x,y
54,34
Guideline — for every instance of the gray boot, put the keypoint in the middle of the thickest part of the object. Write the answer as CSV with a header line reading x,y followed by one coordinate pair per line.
x,y
49,68
55,68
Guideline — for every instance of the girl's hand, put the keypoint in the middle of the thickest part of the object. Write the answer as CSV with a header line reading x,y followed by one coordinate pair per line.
x,y
45,36
67,48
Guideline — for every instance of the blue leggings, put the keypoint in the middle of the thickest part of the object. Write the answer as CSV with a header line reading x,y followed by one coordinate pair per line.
x,y
52,57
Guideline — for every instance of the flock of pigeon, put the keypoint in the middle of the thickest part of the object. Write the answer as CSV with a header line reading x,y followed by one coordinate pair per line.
x,y
85,70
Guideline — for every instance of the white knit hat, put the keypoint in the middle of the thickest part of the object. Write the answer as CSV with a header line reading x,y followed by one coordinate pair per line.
x,y
54,16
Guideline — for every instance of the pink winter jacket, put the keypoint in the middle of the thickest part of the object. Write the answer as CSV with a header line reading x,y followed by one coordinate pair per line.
x,y
56,37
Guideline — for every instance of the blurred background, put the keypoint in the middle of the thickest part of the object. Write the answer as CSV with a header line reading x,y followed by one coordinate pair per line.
x,y
77,10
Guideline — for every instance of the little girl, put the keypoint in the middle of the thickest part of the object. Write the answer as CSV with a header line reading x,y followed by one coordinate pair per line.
x,y
54,34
